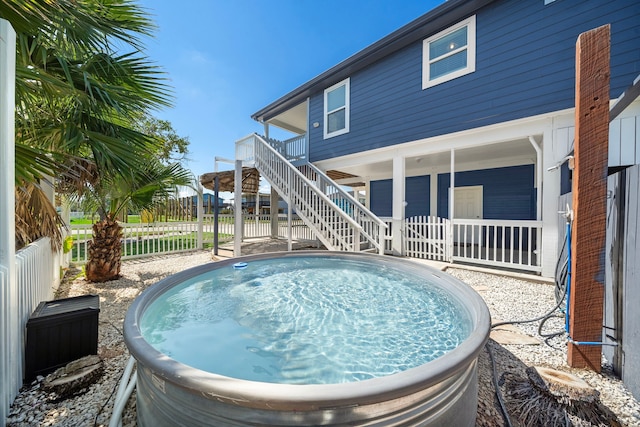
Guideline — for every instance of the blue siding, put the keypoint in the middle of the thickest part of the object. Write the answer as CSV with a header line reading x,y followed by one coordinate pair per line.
x,y
508,193
417,190
381,197
525,64
416,194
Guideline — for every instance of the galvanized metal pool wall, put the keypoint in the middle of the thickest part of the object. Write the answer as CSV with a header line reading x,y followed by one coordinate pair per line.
x,y
441,392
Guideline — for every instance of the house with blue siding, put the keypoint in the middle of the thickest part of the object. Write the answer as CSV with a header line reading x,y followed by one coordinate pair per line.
x,y
463,114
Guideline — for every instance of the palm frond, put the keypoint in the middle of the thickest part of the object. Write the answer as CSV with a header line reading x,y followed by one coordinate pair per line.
x,y
36,217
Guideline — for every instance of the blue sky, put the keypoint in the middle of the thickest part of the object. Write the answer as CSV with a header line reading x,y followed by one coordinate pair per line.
x,y
226,59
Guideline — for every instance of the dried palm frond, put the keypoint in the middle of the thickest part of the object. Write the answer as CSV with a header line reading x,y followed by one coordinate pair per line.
x,y
36,217
553,398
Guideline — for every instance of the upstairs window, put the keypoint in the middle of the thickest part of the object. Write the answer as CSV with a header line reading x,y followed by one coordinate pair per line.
x,y
449,54
336,109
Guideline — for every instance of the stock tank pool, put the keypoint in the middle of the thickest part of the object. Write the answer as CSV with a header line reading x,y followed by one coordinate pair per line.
x,y
307,338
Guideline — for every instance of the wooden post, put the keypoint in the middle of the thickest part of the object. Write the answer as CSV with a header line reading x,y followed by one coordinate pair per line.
x,y
589,197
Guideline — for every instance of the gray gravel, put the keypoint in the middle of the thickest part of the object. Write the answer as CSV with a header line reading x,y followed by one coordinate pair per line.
x,y
507,297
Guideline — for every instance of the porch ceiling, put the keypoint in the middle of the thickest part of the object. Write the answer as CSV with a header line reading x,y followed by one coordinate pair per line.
x,y
465,159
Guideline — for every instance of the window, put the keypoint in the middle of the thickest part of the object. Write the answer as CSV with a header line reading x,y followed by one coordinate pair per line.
x,y
336,109
449,54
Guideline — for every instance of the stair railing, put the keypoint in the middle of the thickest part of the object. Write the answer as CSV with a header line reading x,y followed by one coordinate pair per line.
x,y
336,229
373,228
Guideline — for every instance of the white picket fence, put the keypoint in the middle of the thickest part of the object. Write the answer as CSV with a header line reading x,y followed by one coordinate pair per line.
x,y
427,237
140,240
37,278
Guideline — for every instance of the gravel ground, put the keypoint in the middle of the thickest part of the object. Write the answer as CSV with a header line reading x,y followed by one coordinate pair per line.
x,y
508,298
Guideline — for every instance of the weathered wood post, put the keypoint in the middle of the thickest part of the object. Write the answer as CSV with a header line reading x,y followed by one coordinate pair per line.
x,y
589,198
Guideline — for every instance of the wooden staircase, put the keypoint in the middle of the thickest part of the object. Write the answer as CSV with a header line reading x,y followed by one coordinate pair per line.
x,y
338,220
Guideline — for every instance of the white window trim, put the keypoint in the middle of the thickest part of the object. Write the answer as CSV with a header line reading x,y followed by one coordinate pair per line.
x,y
470,23
347,108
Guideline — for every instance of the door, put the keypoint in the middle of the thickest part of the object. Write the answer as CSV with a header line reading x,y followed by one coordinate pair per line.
x,y
468,205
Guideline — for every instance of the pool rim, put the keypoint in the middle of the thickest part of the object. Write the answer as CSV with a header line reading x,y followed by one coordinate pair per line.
x,y
276,396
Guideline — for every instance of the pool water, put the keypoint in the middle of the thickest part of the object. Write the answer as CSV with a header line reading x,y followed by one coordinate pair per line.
x,y
305,320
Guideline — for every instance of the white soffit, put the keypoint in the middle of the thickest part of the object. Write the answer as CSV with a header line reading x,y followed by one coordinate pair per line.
x,y
293,120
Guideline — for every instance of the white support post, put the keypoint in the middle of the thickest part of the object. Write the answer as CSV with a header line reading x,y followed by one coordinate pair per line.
x,y
237,224
273,210
452,193
538,150
200,212
452,184
433,193
398,204
10,330
289,212
551,219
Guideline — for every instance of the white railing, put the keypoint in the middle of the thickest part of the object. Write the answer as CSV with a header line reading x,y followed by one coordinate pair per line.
x,y
139,240
500,243
332,226
373,228
293,149
427,237
37,277
388,235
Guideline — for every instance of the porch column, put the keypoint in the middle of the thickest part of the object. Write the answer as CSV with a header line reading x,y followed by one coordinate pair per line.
x,y
452,196
273,211
452,184
538,177
551,219
433,193
237,223
398,204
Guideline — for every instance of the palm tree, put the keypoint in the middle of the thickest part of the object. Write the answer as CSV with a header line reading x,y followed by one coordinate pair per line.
x,y
77,98
111,195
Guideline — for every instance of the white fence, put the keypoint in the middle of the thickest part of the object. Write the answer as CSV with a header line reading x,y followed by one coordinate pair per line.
x,y
427,237
37,277
139,240
498,243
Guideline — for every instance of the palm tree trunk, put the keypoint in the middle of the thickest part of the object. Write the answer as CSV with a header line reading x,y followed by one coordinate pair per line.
x,y
105,251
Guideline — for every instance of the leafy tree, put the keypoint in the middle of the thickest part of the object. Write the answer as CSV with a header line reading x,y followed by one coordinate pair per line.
x,y
173,147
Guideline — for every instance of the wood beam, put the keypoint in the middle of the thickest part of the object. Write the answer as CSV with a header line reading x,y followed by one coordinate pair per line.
x,y
589,198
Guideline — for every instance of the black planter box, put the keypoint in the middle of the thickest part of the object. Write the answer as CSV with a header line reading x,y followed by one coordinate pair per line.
x,y
59,332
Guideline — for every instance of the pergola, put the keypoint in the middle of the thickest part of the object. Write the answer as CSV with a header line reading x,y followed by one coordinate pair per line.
x,y
226,181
